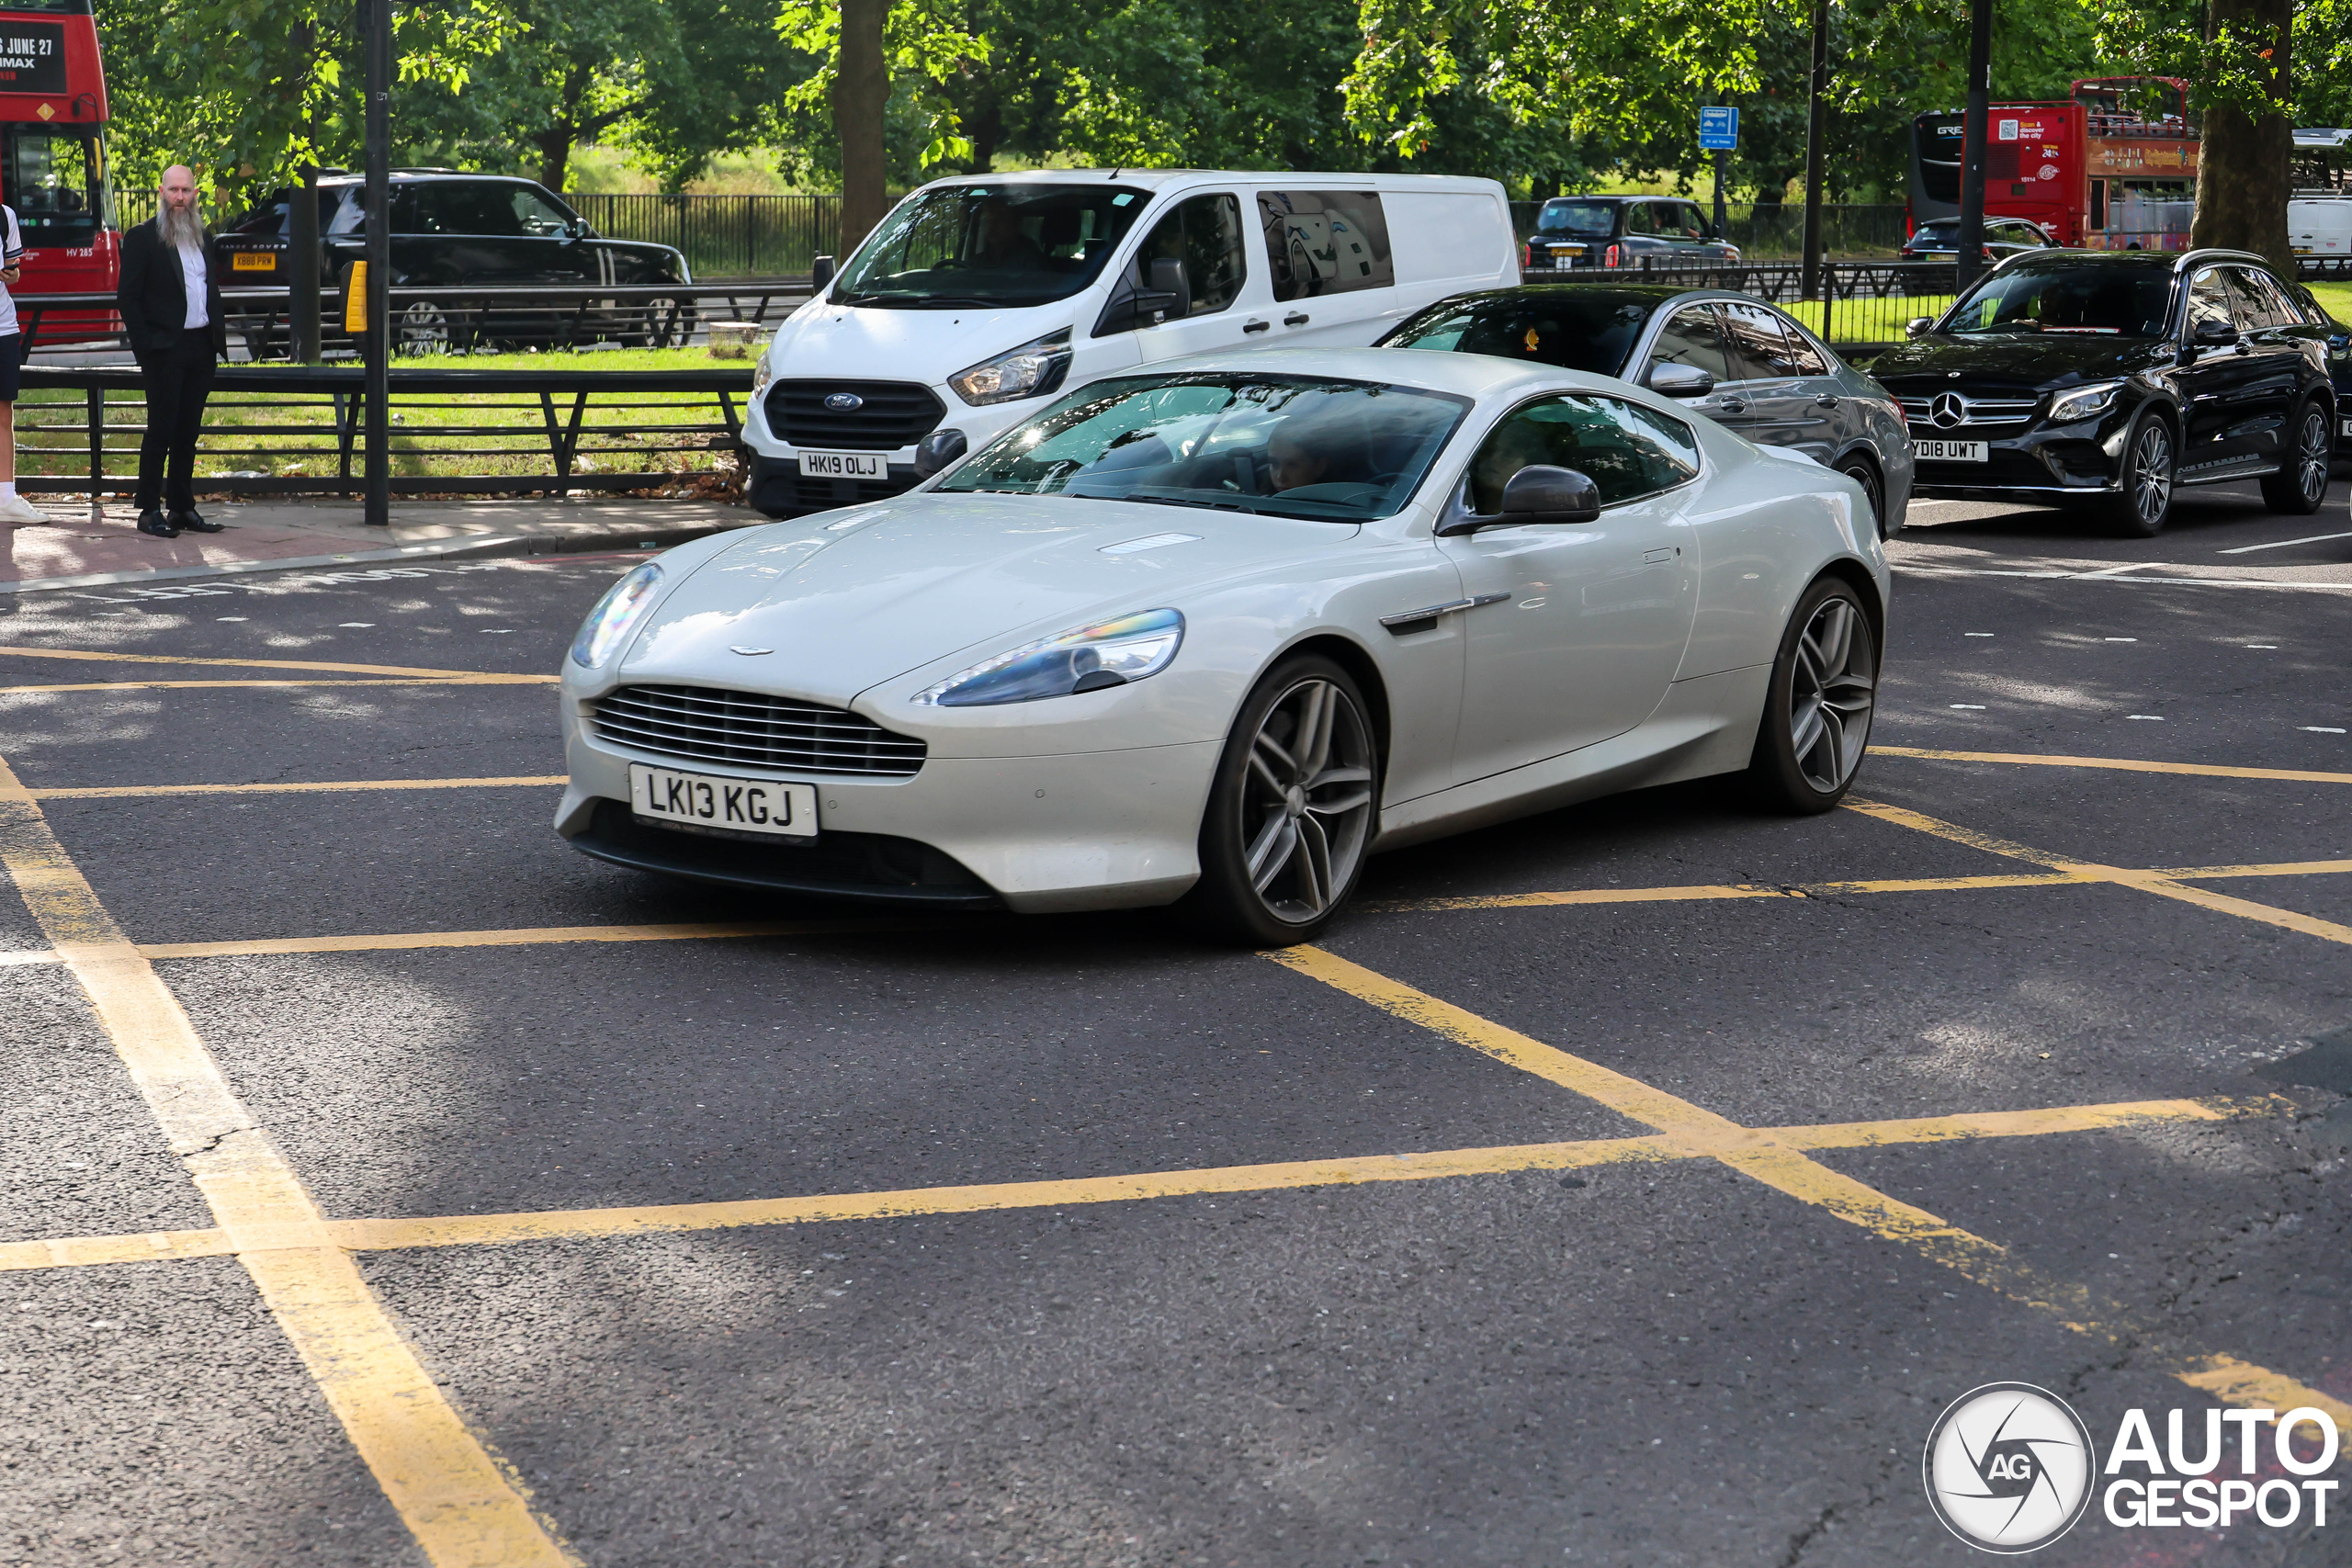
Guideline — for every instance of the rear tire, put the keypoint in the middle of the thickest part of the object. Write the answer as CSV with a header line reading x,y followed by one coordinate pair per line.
x,y
1864,474
2150,457
1816,723
2300,487
1292,811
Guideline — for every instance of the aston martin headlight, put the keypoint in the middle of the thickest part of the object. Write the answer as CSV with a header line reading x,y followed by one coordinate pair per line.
x,y
2083,402
1030,371
614,616
1109,653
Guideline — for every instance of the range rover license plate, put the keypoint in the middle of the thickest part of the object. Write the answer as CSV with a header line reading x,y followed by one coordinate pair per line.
x,y
1952,451
706,800
844,465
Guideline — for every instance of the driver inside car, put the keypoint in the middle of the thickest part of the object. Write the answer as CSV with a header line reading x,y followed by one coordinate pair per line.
x,y
1294,460
1004,244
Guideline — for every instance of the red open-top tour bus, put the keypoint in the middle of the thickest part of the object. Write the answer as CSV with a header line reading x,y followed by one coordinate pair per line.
x,y
53,155
2112,168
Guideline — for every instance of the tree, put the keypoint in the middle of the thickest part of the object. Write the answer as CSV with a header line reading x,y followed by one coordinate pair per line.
x,y
2237,56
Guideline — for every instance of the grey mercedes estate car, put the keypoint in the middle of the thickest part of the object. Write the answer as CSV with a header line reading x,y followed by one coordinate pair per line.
x,y
1743,364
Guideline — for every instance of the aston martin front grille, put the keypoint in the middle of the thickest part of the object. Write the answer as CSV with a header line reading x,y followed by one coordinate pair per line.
x,y
705,724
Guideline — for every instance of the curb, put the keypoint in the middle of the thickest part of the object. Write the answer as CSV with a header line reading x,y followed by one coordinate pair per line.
x,y
472,546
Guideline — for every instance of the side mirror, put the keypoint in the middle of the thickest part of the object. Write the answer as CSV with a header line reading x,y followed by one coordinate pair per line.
x,y
1542,493
577,229
1918,326
2211,333
937,451
1171,293
1680,381
820,272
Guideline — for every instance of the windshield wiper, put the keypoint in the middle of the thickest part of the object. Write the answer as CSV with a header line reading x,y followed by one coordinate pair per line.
x,y
1142,499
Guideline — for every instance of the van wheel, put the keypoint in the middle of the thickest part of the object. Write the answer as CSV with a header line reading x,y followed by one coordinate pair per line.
x,y
2144,505
1292,809
2299,486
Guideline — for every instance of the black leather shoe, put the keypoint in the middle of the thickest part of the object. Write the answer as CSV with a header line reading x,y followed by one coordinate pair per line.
x,y
192,522
153,521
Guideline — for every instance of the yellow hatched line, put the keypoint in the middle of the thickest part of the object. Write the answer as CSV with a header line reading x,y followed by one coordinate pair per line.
x,y
263,685
120,792
90,656
2117,764
464,1506
2155,882
1771,1157
475,1230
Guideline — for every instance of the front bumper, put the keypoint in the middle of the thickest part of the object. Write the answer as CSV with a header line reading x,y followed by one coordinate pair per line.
x,y
1079,830
2082,459
778,488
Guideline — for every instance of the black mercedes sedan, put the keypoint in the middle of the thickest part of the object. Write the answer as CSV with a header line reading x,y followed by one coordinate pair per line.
x,y
2107,379
451,230
1748,367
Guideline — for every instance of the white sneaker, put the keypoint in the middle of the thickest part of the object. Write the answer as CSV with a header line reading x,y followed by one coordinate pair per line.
x,y
17,509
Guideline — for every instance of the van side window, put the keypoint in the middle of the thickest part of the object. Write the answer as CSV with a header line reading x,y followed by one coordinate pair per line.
x,y
1205,233
1327,242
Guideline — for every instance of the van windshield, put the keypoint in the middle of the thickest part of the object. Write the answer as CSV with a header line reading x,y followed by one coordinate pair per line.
x,y
971,247
1228,440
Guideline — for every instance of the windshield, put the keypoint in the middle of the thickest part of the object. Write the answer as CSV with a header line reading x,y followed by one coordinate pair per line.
x,y
1288,445
1577,329
962,247
2125,301
1588,220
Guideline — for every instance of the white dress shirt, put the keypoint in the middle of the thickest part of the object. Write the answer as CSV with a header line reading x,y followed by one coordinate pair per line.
x,y
192,273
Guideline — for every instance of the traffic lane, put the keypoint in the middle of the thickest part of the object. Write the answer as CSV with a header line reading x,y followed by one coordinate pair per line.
x,y
2113,817
2228,1237
79,1154
155,1413
1662,1365
455,1082
1709,832
1864,1007
2205,519
2326,897
263,735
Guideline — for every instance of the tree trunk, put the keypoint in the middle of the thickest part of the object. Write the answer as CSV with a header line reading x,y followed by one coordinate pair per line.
x,y
861,94
2242,173
555,156
985,125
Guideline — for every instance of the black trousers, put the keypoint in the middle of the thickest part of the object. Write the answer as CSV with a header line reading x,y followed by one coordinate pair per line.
x,y
177,380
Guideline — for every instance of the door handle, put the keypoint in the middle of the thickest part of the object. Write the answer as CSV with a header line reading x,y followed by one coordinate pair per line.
x,y
1257,326
1826,400
1730,405
1295,319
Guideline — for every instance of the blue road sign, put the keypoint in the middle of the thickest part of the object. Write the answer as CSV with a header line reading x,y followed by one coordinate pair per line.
x,y
1719,130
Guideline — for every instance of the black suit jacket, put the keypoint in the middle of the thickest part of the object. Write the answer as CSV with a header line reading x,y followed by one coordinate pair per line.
x,y
153,297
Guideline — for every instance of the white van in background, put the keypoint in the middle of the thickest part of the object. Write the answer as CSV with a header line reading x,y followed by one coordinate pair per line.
x,y
2319,223
980,299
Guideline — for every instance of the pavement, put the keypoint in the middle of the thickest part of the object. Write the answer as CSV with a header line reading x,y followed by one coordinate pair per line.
x,y
82,546
385,1183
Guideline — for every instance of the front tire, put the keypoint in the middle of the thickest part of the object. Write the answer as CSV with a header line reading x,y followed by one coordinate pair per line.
x,y
2150,457
1816,723
1292,809
2300,487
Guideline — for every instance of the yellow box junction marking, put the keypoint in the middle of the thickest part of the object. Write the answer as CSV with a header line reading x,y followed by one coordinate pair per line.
x,y
120,792
2117,765
463,1506
473,1230
90,656
1779,1162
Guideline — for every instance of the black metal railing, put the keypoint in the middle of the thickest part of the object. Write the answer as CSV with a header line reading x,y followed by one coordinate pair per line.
x,y
452,320
299,430
1864,305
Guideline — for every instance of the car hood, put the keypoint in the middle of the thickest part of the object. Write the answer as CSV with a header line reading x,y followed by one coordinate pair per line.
x,y
851,341
847,600
2039,361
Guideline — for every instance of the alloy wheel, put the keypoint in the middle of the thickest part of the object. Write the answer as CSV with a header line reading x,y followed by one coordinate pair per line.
x,y
1831,691
2313,456
2151,473
1305,813
424,330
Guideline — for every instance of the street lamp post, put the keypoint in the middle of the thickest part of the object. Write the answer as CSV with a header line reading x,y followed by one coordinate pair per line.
x,y
1969,259
1809,282
378,209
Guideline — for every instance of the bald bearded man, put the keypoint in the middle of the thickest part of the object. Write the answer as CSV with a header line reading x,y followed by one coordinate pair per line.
x,y
171,312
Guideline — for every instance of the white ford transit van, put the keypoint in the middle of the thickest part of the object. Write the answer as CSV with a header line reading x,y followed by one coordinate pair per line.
x,y
978,300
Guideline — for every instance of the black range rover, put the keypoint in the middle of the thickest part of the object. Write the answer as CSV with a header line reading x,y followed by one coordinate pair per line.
x,y
2110,378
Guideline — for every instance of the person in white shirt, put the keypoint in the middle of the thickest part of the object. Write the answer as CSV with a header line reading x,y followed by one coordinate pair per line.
x,y
14,508
171,312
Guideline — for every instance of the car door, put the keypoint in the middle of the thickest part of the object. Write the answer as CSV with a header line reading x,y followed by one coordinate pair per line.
x,y
1205,233
547,246
2214,380
1783,404
2267,401
1574,630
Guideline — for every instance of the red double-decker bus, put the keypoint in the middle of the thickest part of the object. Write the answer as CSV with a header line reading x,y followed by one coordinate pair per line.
x,y
53,152
2112,168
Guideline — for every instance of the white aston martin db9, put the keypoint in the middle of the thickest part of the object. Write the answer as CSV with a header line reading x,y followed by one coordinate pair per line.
x,y
1211,635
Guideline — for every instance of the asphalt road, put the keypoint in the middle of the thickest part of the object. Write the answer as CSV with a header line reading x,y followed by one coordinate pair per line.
x,y
2026,1132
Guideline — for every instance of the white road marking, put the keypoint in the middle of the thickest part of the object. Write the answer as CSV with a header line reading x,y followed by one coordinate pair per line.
x,y
2120,639
1977,633
2323,730
2119,571
2282,544
1978,706
2152,718
2266,647
358,624
233,617
2169,581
